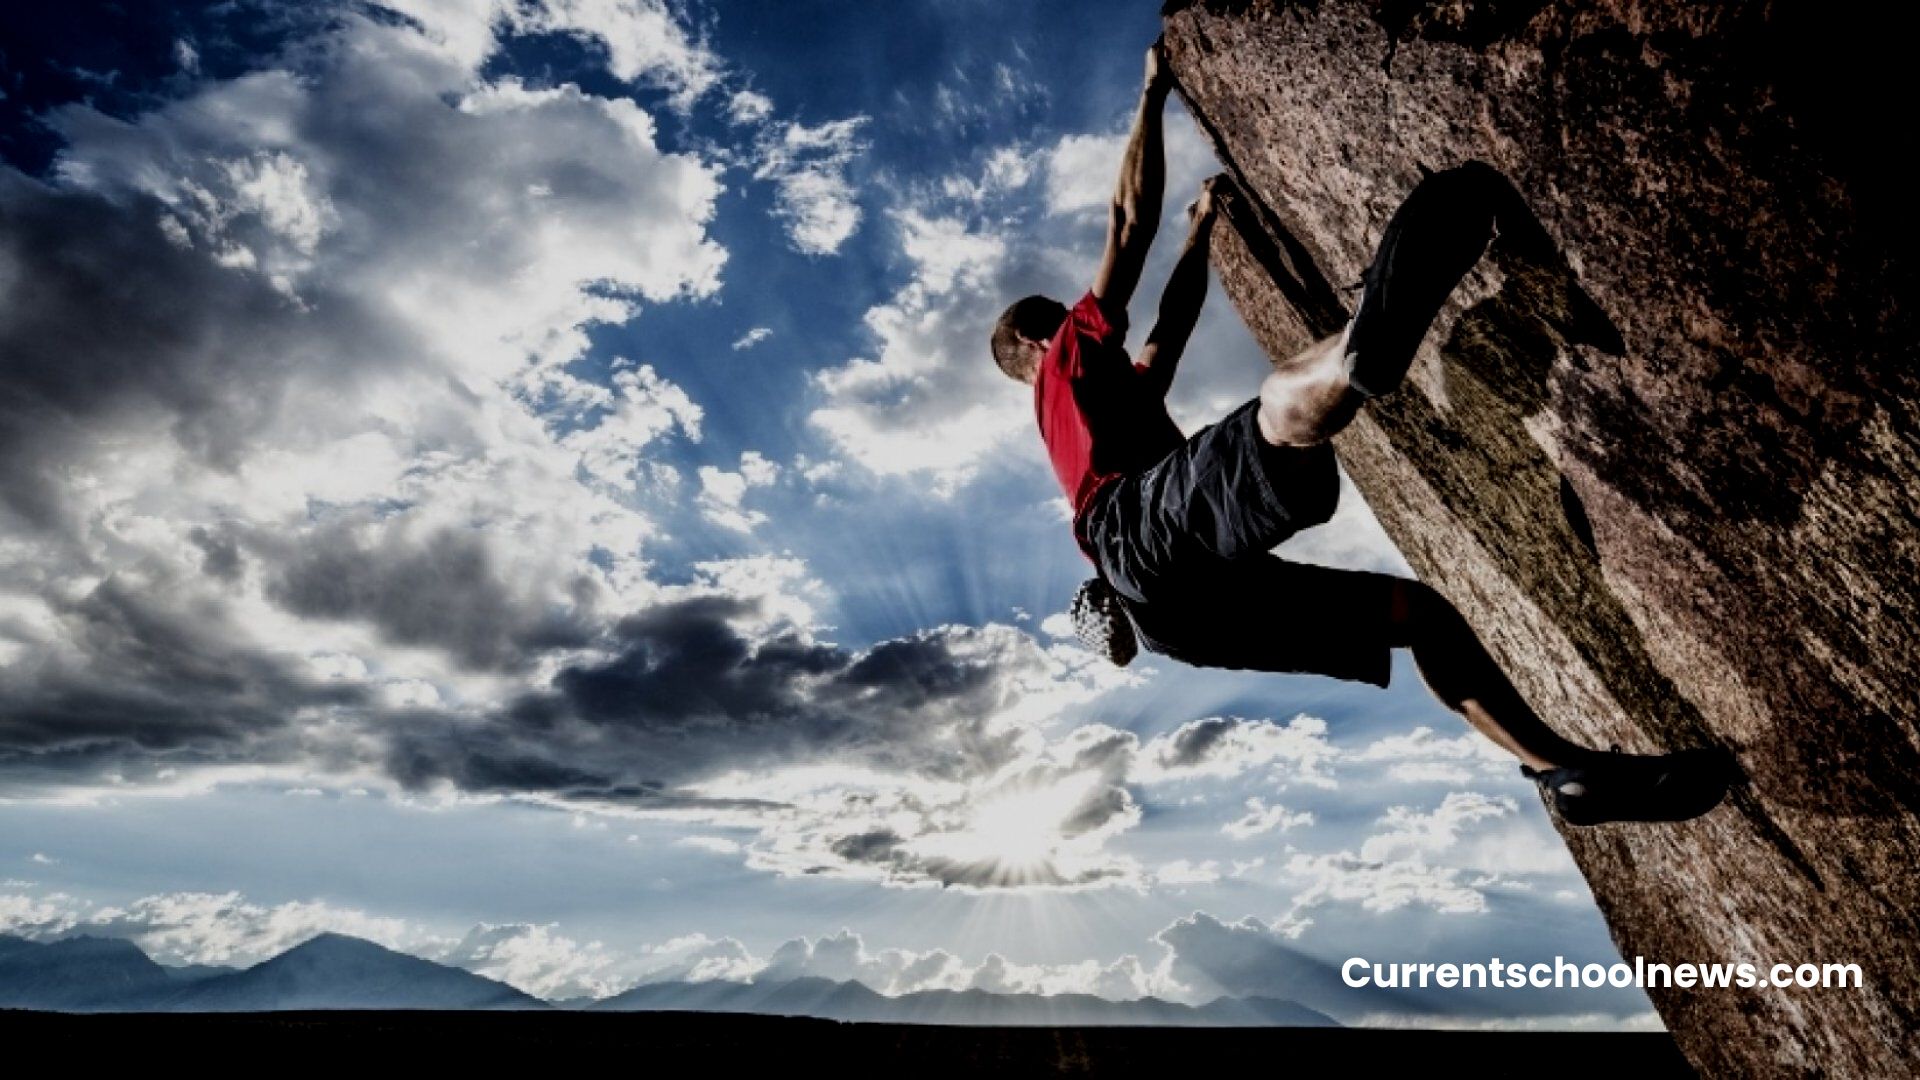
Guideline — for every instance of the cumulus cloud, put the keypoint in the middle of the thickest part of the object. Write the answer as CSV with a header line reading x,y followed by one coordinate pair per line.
x,y
1261,818
930,401
1410,834
749,107
331,412
722,491
845,956
1224,746
1080,172
537,959
813,196
640,40
1423,756
1187,872
1401,864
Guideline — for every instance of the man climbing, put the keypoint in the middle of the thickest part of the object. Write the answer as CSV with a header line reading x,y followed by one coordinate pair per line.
x,y
1180,529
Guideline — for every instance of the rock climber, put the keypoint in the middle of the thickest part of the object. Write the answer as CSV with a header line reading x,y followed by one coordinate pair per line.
x,y
1180,528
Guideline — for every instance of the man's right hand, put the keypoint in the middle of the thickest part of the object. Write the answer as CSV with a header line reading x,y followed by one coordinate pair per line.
x,y
1159,76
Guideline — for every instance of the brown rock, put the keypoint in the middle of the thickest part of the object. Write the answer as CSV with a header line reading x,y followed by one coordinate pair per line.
x,y
1709,538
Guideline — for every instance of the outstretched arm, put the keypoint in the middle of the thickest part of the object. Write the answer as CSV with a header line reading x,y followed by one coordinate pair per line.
x,y
1135,214
1186,291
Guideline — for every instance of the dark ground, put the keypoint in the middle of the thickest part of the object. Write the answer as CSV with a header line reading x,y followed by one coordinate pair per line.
x,y
705,1041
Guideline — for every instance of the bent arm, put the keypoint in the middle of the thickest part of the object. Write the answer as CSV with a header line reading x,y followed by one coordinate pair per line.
x,y
1135,214
1180,303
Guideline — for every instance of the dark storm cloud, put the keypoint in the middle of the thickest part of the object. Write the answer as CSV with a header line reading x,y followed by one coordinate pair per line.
x,y
147,682
686,694
445,591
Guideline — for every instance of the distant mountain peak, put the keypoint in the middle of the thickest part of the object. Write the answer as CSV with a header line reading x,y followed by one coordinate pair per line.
x,y
334,941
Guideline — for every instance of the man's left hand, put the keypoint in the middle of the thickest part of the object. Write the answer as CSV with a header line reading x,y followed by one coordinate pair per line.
x,y
1203,208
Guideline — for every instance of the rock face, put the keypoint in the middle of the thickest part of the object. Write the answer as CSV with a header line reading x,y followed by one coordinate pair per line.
x,y
1669,475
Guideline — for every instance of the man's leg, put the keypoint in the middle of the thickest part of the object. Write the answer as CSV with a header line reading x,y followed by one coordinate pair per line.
x,y
1432,240
1588,786
1457,669
1310,399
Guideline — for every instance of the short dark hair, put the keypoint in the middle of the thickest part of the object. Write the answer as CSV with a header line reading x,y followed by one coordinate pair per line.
x,y
1036,317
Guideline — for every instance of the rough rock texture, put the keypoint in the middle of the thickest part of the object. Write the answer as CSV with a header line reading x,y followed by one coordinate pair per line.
x,y
1707,535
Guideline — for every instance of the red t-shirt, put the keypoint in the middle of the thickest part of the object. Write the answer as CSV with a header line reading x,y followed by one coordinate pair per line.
x,y
1100,415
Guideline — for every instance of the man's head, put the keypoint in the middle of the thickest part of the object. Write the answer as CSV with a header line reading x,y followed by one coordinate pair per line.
x,y
1020,337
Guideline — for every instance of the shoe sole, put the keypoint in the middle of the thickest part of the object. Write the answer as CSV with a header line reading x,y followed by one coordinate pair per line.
x,y
1694,783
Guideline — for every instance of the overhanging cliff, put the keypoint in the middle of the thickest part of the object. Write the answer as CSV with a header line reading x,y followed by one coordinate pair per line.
x,y
1669,475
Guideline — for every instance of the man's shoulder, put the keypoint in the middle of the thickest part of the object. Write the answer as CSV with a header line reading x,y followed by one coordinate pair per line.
x,y
1091,316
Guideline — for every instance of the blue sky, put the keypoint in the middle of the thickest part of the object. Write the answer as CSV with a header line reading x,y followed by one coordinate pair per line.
x,y
525,483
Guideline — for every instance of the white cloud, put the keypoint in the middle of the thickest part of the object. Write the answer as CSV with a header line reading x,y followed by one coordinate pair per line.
x,y
930,401
642,40
1343,877
1081,171
1186,872
749,107
844,956
1221,747
1422,756
812,196
1403,864
722,491
1028,813
1007,169
1410,834
1261,818
641,407
536,959
751,338
42,858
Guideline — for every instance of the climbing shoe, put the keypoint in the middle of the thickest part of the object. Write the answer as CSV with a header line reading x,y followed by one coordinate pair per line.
x,y
1430,243
1637,787
1100,622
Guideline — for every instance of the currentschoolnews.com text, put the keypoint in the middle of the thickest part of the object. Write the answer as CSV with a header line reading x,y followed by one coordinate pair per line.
x,y
1564,974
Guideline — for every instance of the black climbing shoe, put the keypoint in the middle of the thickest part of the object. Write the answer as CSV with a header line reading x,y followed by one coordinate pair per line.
x,y
1636,787
1430,243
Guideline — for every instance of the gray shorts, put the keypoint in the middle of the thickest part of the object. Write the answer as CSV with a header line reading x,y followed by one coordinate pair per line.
x,y
1187,544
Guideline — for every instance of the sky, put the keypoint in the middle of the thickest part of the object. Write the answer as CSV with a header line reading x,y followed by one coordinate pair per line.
x,y
524,482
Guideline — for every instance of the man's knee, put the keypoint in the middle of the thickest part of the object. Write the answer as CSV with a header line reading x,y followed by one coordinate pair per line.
x,y
1419,610
1304,408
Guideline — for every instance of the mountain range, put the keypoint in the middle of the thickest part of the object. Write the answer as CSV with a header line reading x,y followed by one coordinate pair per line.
x,y
335,971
